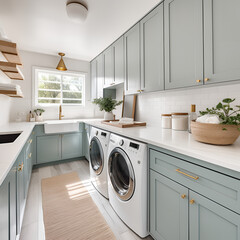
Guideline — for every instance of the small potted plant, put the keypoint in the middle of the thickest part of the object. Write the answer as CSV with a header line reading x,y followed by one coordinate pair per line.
x,y
107,105
224,133
38,113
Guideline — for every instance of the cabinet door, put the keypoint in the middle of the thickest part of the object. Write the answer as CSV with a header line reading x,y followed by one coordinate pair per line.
x,y
20,189
13,202
168,208
72,145
94,79
4,208
221,39
48,148
183,43
86,139
210,221
108,67
152,66
132,60
100,76
118,52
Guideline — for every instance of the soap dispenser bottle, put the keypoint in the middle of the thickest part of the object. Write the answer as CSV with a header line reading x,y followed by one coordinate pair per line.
x,y
192,116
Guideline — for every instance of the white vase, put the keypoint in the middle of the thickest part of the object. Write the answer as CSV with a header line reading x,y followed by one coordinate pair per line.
x,y
108,116
39,118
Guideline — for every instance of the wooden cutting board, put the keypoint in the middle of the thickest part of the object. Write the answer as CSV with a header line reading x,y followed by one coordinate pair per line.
x,y
115,123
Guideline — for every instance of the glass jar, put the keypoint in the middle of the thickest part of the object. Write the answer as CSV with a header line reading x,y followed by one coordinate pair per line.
x,y
180,121
167,121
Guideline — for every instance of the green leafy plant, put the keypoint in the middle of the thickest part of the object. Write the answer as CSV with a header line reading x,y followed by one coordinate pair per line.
x,y
227,114
39,111
106,104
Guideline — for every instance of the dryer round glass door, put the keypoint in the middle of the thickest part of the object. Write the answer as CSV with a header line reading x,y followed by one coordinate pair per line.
x,y
121,174
96,155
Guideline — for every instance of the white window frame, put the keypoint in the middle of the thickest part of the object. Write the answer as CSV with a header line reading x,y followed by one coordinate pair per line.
x,y
35,71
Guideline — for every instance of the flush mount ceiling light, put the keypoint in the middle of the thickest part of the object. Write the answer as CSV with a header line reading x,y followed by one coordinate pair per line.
x,y
76,11
61,65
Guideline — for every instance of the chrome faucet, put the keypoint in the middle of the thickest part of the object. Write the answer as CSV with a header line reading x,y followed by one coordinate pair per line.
x,y
60,112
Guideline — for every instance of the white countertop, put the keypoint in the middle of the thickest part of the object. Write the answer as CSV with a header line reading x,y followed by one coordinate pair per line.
x,y
181,142
177,141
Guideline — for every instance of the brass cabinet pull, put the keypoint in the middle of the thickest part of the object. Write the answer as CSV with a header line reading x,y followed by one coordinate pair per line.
x,y
206,79
192,201
138,90
30,141
29,155
195,178
183,196
198,81
20,167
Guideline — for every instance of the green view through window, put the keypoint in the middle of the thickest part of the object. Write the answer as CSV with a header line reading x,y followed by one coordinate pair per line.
x,y
55,87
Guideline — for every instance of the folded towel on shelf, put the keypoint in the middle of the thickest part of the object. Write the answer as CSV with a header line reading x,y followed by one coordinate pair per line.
x,y
209,118
9,86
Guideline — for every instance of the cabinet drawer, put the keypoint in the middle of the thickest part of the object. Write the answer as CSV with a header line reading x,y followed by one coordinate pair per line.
x,y
216,186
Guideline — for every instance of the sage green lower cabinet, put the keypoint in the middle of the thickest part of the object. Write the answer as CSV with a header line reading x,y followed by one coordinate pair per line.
x,y
168,208
86,138
210,221
48,148
72,145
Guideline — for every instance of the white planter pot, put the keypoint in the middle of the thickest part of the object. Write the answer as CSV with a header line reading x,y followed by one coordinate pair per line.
x,y
108,116
39,118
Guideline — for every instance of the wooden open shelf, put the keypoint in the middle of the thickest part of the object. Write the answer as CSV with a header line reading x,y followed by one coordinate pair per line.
x,y
10,52
11,93
11,70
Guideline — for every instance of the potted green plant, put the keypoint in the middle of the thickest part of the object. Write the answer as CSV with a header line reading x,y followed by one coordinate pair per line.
x,y
38,112
224,133
107,105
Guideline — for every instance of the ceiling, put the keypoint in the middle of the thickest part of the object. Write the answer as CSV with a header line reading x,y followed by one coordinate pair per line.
x,y
43,25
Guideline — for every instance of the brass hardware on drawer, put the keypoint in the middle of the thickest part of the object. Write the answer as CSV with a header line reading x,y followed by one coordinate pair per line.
x,y
20,167
139,91
195,178
33,132
192,201
198,81
30,141
183,196
29,155
206,79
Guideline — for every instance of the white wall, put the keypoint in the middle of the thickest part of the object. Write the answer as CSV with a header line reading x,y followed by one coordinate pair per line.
x,y
5,102
23,106
150,106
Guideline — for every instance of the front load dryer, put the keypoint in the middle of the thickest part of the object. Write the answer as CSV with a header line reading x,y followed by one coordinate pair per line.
x,y
127,182
98,159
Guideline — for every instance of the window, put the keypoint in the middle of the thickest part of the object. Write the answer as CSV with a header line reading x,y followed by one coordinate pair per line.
x,y
55,87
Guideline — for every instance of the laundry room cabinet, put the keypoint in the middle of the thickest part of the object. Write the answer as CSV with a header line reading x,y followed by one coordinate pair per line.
x,y
190,202
221,40
108,66
93,68
152,51
55,147
132,60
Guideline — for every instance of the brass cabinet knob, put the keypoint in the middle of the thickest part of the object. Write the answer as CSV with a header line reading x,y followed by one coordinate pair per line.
x,y
29,155
198,81
183,196
206,79
30,141
138,90
192,201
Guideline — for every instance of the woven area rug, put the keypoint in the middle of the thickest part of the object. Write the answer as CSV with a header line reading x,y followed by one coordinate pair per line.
x,y
69,211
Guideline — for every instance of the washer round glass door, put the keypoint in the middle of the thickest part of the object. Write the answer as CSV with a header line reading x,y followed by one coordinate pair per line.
x,y
96,155
121,174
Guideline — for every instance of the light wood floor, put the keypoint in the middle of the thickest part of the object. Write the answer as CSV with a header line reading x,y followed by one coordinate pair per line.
x,y
33,227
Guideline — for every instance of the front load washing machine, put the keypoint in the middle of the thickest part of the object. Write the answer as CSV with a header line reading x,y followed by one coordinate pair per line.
x,y
98,159
127,182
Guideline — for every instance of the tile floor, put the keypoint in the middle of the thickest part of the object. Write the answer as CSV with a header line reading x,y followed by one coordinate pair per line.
x,y
33,227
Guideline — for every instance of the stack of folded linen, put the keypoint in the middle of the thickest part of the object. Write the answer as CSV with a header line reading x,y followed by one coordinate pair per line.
x,y
11,87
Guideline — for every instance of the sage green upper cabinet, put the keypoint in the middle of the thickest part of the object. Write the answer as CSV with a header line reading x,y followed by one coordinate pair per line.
x,y
152,65
168,208
132,60
221,39
100,75
118,52
72,145
108,66
93,79
183,43
208,220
